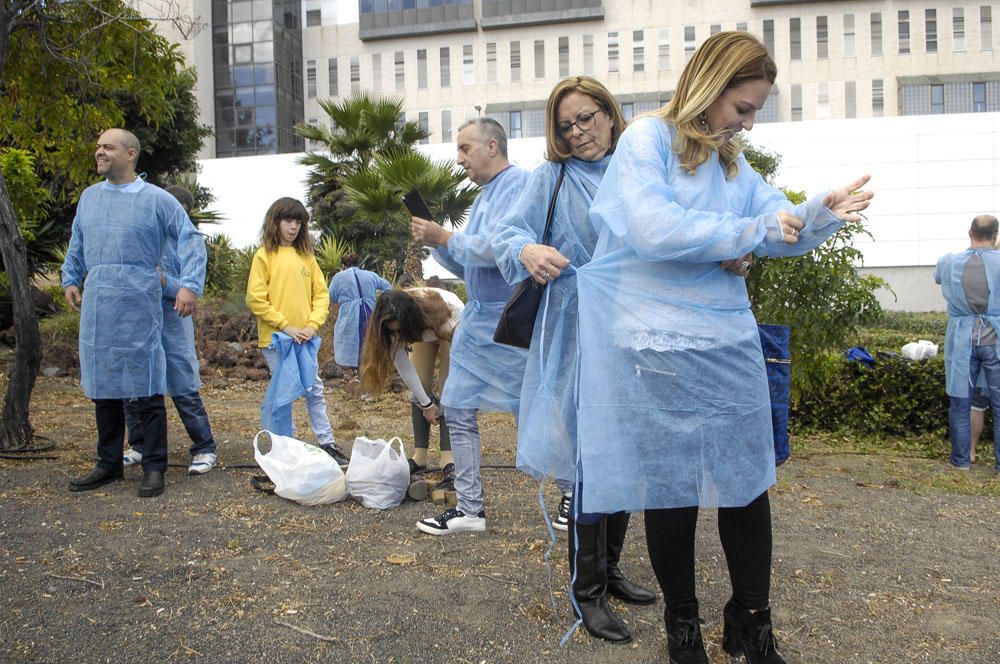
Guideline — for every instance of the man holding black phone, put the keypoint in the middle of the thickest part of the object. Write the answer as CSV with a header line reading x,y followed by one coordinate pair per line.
x,y
483,376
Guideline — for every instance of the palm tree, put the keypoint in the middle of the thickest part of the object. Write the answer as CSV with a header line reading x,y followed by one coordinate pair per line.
x,y
356,190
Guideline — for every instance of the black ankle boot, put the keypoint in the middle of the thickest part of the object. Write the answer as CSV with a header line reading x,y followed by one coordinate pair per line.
x,y
750,634
590,562
618,585
684,644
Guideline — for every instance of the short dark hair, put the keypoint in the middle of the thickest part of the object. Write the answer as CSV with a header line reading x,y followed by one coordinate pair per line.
x,y
183,196
984,227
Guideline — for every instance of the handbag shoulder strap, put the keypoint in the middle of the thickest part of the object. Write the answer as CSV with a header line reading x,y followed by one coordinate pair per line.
x,y
552,204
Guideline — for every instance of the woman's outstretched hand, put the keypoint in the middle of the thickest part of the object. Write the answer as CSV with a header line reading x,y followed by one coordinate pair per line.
x,y
849,201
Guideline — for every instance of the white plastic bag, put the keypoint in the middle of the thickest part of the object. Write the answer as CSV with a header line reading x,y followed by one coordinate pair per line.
x,y
300,471
378,475
920,350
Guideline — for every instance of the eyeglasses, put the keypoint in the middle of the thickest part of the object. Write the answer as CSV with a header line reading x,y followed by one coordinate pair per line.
x,y
584,122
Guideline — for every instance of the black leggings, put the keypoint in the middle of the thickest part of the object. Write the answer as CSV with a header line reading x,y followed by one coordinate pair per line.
x,y
745,533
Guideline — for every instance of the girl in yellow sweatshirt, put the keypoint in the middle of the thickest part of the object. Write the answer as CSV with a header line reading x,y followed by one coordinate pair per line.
x,y
287,293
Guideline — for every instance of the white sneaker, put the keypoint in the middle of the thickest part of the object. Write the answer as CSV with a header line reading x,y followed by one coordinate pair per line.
x,y
202,463
451,521
132,457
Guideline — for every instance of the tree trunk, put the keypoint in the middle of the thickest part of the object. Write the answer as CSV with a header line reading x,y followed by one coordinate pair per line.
x,y
413,263
15,430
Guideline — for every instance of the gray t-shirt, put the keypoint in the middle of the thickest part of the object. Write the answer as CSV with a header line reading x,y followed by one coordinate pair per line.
x,y
977,294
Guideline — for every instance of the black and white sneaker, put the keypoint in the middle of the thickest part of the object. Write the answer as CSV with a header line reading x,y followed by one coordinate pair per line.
x,y
561,522
453,520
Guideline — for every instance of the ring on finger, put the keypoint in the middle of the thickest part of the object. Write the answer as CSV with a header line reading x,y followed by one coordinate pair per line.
x,y
746,266
545,275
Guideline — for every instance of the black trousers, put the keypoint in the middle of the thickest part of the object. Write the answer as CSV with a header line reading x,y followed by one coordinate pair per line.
x,y
745,533
152,413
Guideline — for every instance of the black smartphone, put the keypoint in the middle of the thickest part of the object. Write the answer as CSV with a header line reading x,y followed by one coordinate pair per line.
x,y
414,202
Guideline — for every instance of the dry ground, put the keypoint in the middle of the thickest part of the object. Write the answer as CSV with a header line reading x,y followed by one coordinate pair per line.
x,y
877,559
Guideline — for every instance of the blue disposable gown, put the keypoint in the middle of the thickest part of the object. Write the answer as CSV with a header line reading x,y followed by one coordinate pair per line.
x,y
295,373
673,399
354,290
961,317
183,369
546,433
482,374
119,236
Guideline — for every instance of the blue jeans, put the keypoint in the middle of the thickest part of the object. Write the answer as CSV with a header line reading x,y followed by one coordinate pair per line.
x,y
192,413
982,358
463,426
315,402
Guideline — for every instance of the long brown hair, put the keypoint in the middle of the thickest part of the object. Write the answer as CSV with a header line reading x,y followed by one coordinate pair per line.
x,y
286,208
416,310
725,60
557,148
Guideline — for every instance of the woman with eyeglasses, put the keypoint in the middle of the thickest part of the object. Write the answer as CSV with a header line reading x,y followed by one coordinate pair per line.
x,y
411,330
671,367
583,122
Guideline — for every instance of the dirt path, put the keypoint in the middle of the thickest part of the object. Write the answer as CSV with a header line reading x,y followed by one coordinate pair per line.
x,y
214,572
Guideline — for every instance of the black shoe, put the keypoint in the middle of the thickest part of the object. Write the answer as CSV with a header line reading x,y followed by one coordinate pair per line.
x,y
97,478
447,482
152,483
338,454
588,564
618,585
750,634
684,642
414,468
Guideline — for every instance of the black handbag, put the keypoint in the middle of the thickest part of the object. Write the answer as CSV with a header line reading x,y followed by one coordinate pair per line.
x,y
517,322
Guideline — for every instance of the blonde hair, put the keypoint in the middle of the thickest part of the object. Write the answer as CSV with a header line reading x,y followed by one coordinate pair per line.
x,y
724,61
415,310
557,148
286,208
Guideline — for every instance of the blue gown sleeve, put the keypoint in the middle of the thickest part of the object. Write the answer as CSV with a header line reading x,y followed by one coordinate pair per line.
x,y
441,255
74,266
638,203
381,284
523,225
191,252
172,286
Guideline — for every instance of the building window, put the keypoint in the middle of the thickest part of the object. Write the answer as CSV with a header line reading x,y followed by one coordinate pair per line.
x,y
445,56
515,125
334,77
515,61
796,102
613,64
714,28
741,26
958,29
638,51
377,72
876,33
930,30
904,31
822,38
400,69
468,66
423,119
823,100
313,18
311,79
491,62
850,50
664,48
539,58
850,99
563,57
979,97
689,42
986,28
446,126
878,98
422,68
795,38
628,111
937,99
588,55
355,73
